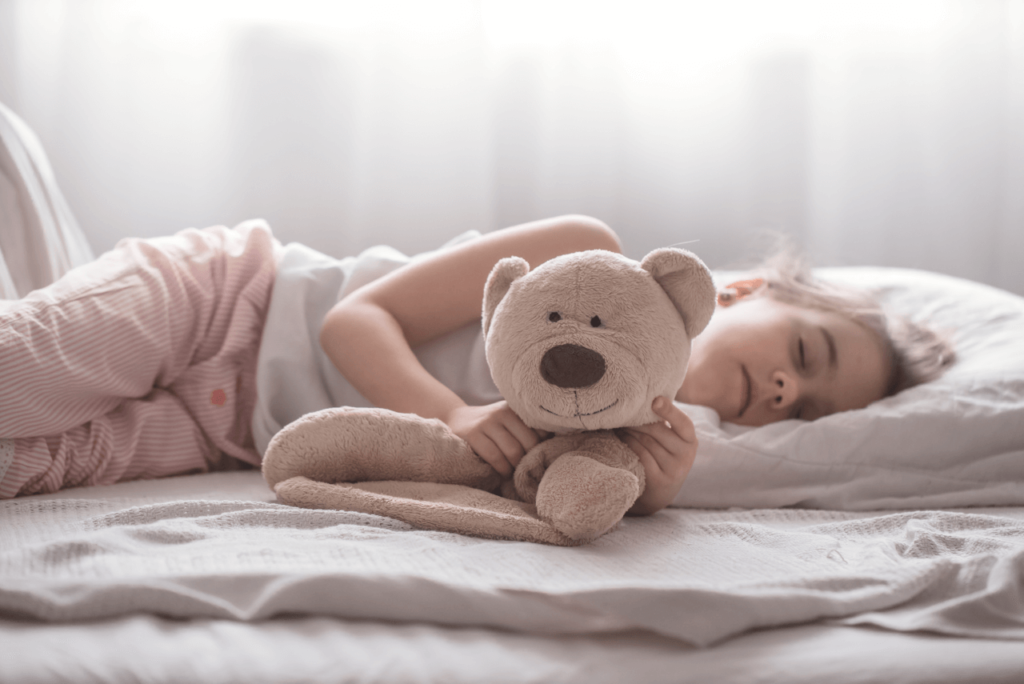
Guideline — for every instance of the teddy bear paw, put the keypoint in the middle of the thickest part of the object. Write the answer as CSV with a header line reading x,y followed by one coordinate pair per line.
x,y
583,498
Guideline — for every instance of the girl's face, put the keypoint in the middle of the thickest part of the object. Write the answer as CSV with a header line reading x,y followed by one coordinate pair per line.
x,y
760,360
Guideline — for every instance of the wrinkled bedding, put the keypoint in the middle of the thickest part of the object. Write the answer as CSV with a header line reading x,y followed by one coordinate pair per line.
x,y
697,575
144,649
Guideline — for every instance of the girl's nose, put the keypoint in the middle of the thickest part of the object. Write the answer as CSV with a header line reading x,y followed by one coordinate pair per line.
x,y
784,390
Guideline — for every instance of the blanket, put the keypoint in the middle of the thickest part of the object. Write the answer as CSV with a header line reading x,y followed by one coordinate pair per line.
x,y
697,575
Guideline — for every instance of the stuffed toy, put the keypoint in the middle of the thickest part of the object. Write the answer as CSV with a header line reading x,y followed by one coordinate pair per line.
x,y
579,346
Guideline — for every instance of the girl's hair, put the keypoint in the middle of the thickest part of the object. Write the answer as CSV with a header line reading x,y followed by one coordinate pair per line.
x,y
916,353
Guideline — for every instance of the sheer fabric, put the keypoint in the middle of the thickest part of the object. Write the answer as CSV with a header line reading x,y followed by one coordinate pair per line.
x,y
39,237
875,132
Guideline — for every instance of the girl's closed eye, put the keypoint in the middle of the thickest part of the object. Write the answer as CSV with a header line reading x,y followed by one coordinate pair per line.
x,y
802,352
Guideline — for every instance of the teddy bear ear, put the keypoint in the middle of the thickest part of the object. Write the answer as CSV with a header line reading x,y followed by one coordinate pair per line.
x,y
688,283
504,273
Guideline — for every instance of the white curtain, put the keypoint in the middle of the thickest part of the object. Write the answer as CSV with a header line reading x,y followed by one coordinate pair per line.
x,y
883,132
39,237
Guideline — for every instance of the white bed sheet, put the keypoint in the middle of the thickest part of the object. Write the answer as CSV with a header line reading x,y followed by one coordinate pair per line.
x,y
702,576
144,649
148,648
527,636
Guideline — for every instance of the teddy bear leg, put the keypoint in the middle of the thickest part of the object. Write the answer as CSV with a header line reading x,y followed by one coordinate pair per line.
x,y
583,498
535,463
358,445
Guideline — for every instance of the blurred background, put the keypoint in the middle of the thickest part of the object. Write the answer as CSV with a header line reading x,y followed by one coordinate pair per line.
x,y
874,132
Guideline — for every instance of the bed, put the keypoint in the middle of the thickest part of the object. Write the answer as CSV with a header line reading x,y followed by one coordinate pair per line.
x,y
885,544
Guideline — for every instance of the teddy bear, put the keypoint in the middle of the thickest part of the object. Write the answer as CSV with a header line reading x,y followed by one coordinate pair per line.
x,y
579,346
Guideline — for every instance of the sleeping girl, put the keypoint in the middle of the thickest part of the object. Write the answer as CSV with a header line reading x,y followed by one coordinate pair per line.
x,y
185,354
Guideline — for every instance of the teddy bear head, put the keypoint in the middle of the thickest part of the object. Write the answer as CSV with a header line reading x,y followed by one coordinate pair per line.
x,y
587,340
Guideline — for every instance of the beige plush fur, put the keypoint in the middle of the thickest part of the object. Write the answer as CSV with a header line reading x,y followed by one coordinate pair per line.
x,y
579,346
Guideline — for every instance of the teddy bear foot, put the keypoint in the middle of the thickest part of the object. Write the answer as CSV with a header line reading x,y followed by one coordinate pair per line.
x,y
583,498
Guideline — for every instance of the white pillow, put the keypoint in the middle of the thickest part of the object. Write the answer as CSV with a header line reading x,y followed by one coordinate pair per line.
x,y
957,441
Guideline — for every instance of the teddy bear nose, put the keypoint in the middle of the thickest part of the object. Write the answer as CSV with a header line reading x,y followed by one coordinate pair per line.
x,y
570,365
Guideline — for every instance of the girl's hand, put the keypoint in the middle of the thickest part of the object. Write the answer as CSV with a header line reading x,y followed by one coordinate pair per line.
x,y
666,451
495,433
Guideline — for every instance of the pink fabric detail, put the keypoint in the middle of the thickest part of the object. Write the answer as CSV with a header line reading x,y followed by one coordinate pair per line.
x,y
115,371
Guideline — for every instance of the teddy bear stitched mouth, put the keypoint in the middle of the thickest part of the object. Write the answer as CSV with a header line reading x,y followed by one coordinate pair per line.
x,y
579,415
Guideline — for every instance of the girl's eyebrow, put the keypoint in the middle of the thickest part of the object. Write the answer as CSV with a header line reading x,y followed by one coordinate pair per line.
x,y
833,357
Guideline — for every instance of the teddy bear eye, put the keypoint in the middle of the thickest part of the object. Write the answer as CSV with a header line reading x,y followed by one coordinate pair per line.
x,y
554,316
595,322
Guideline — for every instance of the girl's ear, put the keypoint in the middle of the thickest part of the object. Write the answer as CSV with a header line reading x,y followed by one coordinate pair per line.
x,y
741,289
504,273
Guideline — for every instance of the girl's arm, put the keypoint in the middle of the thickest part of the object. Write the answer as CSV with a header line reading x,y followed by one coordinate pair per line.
x,y
369,335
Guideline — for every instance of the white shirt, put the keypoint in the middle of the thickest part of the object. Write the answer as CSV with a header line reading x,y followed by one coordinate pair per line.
x,y
294,375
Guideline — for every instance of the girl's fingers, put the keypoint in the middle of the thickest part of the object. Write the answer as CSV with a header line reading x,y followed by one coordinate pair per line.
x,y
663,433
678,421
507,443
662,457
486,449
648,462
526,437
664,436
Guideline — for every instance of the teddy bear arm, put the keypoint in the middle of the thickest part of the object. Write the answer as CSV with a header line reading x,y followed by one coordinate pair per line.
x,y
358,445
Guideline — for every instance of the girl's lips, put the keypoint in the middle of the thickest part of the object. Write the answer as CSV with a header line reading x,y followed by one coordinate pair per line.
x,y
747,391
